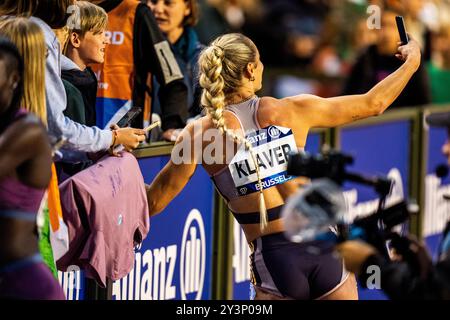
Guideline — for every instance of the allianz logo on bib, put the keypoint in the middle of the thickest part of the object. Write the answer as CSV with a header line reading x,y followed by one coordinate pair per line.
x,y
274,132
260,137
267,135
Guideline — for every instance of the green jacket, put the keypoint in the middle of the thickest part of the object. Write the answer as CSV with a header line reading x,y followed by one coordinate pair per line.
x,y
75,103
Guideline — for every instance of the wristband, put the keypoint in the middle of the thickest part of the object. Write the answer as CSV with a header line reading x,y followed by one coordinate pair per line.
x,y
115,135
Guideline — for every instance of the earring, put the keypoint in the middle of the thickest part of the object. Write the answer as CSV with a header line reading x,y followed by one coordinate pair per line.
x,y
252,78
14,86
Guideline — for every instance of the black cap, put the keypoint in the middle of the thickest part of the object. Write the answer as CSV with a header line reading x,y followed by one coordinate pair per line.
x,y
439,119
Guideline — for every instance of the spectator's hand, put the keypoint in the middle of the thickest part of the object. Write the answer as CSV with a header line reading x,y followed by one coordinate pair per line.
x,y
128,137
355,253
171,134
410,52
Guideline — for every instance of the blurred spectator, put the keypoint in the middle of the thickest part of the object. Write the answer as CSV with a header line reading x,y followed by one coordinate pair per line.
x,y
224,16
439,67
211,23
362,37
138,50
176,20
292,28
379,60
443,10
291,34
327,60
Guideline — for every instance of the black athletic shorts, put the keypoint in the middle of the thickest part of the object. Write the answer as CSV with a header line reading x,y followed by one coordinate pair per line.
x,y
301,271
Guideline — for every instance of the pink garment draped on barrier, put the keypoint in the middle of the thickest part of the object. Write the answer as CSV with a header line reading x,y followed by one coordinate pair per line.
x,y
105,209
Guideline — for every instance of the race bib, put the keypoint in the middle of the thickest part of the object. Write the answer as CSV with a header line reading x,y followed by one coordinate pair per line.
x,y
271,147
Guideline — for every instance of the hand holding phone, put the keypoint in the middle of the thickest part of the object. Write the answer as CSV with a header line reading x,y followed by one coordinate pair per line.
x,y
402,30
118,148
409,48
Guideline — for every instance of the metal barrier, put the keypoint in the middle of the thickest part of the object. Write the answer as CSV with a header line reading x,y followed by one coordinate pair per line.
x,y
434,208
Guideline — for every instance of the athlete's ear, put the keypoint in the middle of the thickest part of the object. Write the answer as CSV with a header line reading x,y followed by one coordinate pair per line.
x,y
250,70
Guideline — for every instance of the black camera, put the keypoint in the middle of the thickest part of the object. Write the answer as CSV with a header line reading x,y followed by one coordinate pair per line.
x,y
376,228
332,164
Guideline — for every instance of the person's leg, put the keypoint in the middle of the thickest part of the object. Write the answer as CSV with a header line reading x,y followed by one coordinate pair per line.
x,y
329,279
346,290
264,295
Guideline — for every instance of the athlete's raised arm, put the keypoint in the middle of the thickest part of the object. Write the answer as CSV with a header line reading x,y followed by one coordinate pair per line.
x,y
331,112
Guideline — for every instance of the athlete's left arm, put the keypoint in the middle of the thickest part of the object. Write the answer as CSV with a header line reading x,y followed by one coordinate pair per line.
x,y
174,176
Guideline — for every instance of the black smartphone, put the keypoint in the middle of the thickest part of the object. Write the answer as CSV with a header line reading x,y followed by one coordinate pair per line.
x,y
131,114
402,30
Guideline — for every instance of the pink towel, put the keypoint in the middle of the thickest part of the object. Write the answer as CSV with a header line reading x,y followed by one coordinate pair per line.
x,y
105,209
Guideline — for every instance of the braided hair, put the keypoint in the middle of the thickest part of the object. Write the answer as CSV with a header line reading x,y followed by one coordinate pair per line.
x,y
222,65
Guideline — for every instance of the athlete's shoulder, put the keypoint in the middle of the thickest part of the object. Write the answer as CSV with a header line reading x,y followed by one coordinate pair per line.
x,y
273,104
197,126
267,100
270,109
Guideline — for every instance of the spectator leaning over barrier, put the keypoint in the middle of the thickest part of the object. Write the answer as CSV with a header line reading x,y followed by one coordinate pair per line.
x,y
84,47
137,51
176,20
50,14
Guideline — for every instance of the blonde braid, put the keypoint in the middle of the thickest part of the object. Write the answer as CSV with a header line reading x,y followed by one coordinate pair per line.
x,y
213,99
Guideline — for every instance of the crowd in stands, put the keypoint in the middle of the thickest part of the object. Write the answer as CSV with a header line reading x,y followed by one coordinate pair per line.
x,y
309,42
